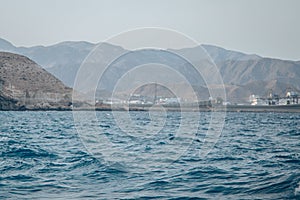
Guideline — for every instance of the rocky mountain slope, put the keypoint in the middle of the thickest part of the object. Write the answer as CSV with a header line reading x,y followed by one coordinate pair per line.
x,y
243,74
62,60
26,85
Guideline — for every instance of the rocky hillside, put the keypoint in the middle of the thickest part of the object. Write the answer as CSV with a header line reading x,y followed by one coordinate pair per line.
x,y
26,85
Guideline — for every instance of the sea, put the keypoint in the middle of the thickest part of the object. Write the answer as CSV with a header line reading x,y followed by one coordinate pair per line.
x,y
149,155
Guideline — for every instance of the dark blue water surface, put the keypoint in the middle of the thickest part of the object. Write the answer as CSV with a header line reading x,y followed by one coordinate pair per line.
x,y
42,156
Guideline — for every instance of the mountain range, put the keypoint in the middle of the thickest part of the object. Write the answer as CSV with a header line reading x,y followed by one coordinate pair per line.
x,y
243,74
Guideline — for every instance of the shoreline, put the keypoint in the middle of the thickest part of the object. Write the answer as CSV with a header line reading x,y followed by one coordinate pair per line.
x,y
295,108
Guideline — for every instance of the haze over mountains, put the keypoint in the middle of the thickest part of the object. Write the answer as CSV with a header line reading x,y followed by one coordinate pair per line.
x,y
243,74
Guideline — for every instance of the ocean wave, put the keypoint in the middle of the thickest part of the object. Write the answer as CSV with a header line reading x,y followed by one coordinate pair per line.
x,y
42,156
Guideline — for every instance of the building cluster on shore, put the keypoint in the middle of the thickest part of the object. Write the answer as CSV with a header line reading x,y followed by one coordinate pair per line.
x,y
291,98
137,99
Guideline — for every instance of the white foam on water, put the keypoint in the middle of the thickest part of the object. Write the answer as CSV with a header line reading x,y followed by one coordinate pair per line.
x,y
297,190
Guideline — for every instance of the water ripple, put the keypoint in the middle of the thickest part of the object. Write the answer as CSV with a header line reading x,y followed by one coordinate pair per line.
x,y
256,157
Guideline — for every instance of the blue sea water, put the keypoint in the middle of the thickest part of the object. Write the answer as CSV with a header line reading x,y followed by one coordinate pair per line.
x,y
43,155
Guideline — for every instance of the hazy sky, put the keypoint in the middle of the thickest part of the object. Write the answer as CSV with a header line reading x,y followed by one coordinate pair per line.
x,y
266,27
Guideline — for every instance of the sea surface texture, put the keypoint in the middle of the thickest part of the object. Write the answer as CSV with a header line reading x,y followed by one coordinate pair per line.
x,y
48,155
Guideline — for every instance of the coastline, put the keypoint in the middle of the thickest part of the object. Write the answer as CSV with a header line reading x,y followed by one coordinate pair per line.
x,y
295,108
